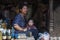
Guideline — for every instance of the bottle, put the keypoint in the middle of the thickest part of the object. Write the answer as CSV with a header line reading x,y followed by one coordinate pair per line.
x,y
12,38
4,37
9,34
1,21
12,33
1,29
4,31
0,25
30,34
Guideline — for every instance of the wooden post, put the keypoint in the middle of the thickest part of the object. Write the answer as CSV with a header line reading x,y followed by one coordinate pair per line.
x,y
51,15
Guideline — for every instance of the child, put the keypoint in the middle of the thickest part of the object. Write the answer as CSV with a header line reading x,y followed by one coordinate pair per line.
x,y
31,27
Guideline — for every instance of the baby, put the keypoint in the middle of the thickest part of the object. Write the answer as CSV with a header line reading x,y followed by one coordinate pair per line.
x,y
31,25
32,28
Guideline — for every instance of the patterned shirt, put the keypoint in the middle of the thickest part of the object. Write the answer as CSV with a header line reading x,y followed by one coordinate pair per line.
x,y
20,20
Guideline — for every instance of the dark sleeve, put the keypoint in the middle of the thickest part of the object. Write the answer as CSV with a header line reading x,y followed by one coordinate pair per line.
x,y
17,20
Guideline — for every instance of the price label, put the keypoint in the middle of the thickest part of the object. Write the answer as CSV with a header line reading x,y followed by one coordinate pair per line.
x,y
9,37
4,37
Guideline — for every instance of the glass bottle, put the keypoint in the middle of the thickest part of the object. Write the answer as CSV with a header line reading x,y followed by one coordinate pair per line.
x,y
9,34
4,37
30,34
12,33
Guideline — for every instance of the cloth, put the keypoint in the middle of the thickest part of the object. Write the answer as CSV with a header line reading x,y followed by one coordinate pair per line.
x,y
34,31
31,27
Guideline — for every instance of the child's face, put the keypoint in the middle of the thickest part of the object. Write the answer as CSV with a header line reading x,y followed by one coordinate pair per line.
x,y
30,23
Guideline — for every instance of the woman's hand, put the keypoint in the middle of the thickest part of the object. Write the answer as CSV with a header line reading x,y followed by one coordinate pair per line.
x,y
25,29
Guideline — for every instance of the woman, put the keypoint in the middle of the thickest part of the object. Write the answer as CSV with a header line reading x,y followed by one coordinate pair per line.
x,y
19,23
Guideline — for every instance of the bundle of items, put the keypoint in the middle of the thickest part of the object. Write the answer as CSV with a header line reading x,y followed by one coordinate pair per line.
x,y
44,36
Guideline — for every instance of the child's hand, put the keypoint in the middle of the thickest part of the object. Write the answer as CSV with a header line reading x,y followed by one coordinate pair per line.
x,y
25,29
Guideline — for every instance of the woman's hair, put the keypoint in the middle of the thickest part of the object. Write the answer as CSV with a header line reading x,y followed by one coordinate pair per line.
x,y
22,4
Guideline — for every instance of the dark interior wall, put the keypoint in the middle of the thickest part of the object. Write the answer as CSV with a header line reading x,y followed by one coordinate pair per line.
x,y
56,3
38,12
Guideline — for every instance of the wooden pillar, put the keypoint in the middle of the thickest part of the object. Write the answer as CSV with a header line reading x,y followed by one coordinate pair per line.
x,y
51,15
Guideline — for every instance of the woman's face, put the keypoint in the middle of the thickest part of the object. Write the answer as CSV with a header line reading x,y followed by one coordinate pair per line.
x,y
30,23
24,9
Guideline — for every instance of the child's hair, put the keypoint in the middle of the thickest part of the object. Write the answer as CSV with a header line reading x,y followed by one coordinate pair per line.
x,y
30,19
